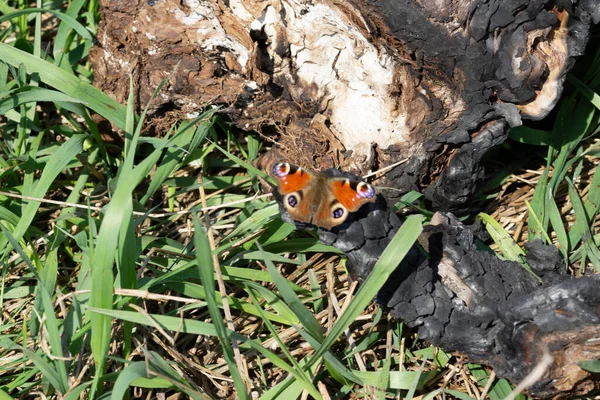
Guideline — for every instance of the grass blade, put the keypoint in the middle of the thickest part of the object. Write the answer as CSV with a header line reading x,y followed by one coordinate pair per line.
x,y
67,83
537,225
58,375
129,374
510,249
118,212
70,21
559,229
387,263
306,383
205,269
307,319
33,94
587,92
53,168
391,257
582,224
194,327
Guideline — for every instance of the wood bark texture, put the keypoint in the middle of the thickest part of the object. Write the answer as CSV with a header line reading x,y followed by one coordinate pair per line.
x,y
355,84
364,84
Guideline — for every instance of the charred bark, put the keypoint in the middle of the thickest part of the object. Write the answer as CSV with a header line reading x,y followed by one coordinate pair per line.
x,y
493,311
351,83
464,299
499,314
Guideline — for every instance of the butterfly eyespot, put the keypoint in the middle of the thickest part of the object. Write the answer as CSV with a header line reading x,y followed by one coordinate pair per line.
x,y
365,190
281,169
292,201
338,213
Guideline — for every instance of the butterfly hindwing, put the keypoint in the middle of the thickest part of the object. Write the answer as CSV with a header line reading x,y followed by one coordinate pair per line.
x,y
294,185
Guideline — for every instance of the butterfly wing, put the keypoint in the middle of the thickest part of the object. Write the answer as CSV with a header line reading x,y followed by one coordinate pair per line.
x,y
352,194
295,185
342,196
291,178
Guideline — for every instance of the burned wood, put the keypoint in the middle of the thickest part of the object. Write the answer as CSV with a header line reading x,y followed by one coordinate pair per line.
x,y
470,301
494,312
352,83
357,84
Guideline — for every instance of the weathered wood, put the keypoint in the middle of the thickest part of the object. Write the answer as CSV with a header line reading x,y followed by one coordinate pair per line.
x,y
363,85
351,83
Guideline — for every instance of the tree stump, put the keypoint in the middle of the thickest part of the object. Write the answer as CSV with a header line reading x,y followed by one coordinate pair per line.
x,y
354,84
362,85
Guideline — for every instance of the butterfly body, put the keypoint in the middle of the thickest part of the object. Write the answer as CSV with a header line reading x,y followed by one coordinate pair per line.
x,y
320,199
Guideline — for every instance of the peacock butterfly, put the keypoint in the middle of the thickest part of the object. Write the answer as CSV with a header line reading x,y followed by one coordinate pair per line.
x,y
321,199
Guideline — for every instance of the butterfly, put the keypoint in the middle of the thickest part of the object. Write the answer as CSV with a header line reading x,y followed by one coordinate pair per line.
x,y
324,199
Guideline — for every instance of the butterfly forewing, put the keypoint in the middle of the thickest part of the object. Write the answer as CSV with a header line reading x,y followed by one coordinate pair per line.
x,y
291,178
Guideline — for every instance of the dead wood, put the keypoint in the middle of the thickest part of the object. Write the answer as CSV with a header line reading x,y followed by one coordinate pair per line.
x,y
493,311
363,85
468,300
351,83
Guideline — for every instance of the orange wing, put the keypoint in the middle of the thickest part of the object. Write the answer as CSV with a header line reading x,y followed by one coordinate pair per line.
x,y
352,194
291,178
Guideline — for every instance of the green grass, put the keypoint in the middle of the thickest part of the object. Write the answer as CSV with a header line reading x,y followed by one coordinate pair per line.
x,y
141,279
564,204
